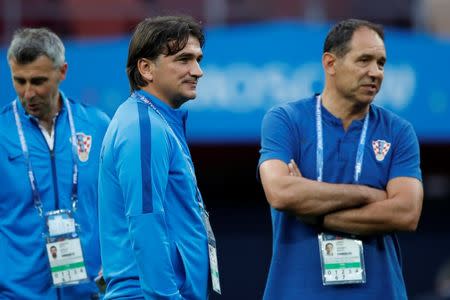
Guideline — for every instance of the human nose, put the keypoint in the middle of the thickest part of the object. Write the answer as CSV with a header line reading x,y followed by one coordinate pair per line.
x,y
196,70
376,71
29,92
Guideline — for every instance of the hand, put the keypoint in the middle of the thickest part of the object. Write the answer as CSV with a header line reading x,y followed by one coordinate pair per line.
x,y
293,169
100,282
374,194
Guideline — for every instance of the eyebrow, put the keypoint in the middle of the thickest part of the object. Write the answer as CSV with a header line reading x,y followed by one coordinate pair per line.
x,y
372,56
32,79
188,55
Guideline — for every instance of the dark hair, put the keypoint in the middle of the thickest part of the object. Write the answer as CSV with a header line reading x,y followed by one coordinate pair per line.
x,y
159,35
339,36
29,43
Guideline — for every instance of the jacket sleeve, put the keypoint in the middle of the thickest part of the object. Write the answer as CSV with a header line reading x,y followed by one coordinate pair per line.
x,y
142,164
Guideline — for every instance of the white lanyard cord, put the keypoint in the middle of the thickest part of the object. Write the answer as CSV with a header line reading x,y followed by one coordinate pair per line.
x,y
34,188
319,150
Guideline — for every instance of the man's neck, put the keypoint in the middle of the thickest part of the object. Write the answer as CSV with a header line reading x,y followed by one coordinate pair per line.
x,y
173,103
47,124
343,109
47,121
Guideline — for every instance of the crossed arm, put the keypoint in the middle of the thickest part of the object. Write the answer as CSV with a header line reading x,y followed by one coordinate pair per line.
x,y
349,208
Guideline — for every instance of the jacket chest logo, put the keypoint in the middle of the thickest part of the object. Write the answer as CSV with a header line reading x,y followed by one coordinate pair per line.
x,y
84,143
380,148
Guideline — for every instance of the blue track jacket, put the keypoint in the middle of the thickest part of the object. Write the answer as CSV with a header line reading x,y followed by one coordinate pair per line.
x,y
24,268
153,241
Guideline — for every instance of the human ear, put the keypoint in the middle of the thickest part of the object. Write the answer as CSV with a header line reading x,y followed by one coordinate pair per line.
x,y
329,63
63,71
146,67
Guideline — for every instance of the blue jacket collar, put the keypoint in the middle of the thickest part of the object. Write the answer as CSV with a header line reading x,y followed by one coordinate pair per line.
x,y
172,115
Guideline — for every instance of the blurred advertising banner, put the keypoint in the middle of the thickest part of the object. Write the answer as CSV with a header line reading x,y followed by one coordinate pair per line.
x,y
250,68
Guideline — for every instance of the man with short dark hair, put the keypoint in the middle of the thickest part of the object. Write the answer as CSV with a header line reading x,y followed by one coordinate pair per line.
x,y
329,248
154,230
49,166
54,252
358,179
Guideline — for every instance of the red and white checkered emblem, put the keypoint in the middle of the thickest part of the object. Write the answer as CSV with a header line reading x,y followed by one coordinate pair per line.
x,y
380,148
84,143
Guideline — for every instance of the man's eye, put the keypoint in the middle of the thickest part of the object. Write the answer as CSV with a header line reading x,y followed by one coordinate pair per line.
x,y
38,81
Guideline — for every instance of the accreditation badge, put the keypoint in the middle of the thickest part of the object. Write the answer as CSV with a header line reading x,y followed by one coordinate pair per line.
x,y
64,249
342,259
212,252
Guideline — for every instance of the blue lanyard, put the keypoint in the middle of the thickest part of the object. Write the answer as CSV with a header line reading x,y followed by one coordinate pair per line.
x,y
34,187
319,153
185,155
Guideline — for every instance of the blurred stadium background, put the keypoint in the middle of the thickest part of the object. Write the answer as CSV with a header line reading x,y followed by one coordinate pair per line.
x,y
259,53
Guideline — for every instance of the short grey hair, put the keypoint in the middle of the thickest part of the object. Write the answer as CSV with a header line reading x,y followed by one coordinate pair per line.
x,y
30,43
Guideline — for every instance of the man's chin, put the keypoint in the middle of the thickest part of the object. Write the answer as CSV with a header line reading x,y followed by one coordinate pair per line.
x,y
368,98
34,113
191,95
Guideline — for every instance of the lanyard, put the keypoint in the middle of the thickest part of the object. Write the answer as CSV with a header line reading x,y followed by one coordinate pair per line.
x,y
185,155
34,188
319,153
